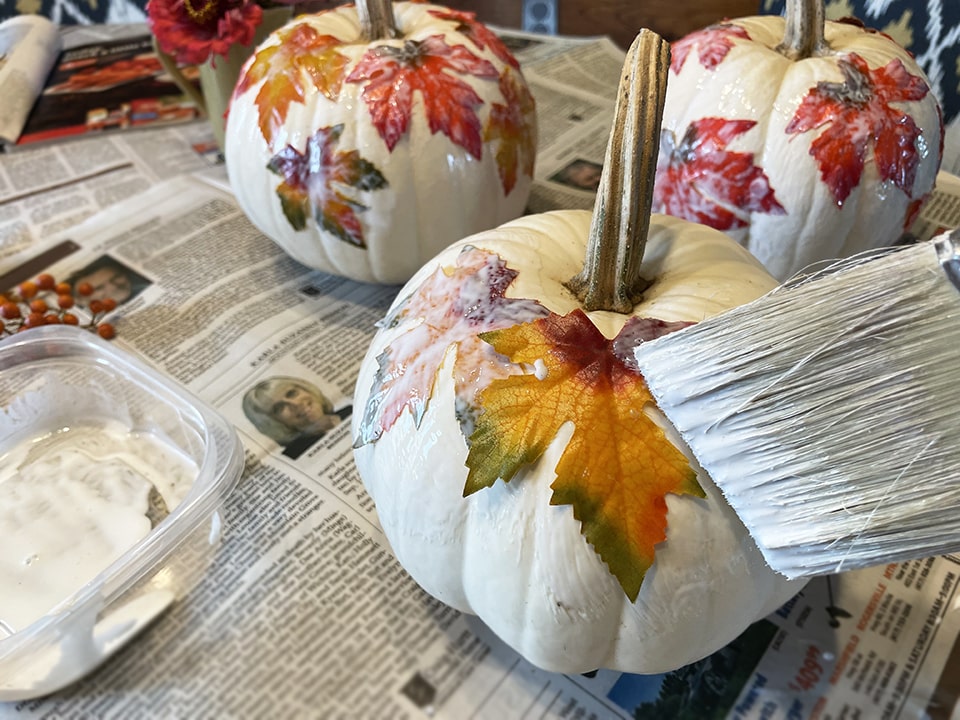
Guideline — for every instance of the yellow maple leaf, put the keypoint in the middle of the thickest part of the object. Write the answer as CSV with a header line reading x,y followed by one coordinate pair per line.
x,y
617,467
303,59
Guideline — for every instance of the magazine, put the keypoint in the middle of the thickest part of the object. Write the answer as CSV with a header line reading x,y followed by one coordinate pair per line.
x,y
29,46
102,86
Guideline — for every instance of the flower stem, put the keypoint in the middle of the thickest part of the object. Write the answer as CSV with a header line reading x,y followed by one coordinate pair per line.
x,y
803,31
610,279
376,19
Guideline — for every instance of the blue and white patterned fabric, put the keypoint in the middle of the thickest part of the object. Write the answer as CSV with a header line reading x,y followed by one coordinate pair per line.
x,y
930,29
77,12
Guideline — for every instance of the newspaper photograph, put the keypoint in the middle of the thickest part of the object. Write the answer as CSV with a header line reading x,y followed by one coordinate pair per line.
x,y
305,612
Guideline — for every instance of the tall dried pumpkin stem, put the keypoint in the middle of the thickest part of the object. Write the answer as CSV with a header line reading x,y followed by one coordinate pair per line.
x,y
803,32
610,279
376,19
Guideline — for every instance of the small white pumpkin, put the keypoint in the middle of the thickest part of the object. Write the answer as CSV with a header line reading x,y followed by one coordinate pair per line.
x,y
803,140
364,139
505,553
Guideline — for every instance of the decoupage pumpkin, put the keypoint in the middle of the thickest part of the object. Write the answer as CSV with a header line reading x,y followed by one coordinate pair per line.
x,y
365,139
804,140
518,464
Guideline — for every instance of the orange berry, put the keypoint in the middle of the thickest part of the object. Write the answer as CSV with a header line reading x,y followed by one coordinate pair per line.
x,y
10,310
27,289
109,304
106,331
63,288
39,305
70,319
51,319
85,289
45,281
96,306
65,301
34,320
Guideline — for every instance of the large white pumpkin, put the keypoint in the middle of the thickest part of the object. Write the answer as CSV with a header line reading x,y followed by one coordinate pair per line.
x,y
505,553
804,140
364,156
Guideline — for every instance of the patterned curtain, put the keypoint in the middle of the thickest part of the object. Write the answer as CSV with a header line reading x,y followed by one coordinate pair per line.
x,y
930,29
77,12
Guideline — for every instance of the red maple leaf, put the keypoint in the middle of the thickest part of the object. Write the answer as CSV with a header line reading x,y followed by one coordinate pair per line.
x,y
712,43
511,122
481,36
451,308
698,179
392,74
302,59
317,180
857,112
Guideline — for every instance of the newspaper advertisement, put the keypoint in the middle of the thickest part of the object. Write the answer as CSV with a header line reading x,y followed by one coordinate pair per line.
x,y
29,46
305,612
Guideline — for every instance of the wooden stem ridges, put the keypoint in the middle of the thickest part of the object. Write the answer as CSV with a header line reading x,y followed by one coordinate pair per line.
x,y
610,279
803,31
376,19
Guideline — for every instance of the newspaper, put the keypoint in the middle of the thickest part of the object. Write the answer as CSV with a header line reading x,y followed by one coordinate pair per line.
x,y
306,614
46,189
29,45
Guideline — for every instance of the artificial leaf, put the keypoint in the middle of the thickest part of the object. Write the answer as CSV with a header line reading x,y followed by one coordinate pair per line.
x,y
856,112
392,74
511,124
618,465
712,43
449,310
317,179
700,180
302,54
481,36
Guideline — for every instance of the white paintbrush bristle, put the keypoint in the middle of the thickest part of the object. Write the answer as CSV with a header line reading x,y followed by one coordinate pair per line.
x,y
828,411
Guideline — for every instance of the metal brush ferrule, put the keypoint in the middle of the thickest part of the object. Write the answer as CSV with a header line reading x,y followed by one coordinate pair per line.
x,y
948,250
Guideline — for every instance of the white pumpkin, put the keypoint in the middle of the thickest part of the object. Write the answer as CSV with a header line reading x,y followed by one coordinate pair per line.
x,y
504,552
365,156
803,140
521,564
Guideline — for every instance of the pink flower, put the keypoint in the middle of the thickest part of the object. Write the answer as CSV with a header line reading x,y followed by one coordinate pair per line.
x,y
194,30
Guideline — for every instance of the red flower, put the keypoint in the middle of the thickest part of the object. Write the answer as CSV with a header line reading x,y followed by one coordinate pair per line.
x,y
194,30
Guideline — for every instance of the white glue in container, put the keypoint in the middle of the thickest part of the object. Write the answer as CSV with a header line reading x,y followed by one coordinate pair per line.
x,y
111,480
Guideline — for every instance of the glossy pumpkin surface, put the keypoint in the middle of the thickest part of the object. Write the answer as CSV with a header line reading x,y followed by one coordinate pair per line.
x,y
365,157
798,159
505,553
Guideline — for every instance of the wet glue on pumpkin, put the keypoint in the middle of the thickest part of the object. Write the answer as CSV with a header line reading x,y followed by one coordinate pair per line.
x,y
519,468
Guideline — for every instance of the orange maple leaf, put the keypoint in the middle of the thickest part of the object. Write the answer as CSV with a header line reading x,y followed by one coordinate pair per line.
x,y
617,467
511,123
302,55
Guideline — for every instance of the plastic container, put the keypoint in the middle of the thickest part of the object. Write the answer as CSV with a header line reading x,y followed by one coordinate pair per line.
x,y
60,377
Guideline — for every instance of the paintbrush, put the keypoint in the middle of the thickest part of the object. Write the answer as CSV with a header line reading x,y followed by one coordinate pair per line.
x,y
828,411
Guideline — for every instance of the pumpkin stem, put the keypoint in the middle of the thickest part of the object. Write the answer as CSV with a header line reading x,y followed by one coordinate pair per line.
x,y
610,279
803,30
376,19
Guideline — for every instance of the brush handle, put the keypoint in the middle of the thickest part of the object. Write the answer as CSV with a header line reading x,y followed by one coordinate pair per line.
x,y
948,250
